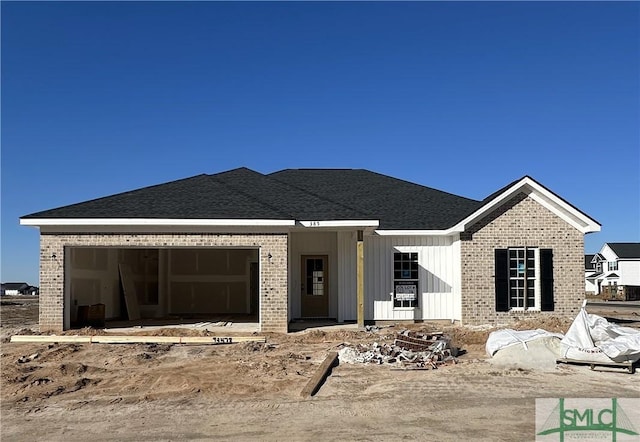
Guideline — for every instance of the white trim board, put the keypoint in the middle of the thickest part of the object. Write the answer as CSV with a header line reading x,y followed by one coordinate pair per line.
x,y
544,197
152,222
340,223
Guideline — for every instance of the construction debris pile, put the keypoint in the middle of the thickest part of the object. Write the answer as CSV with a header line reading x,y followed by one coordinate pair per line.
x,y
410,350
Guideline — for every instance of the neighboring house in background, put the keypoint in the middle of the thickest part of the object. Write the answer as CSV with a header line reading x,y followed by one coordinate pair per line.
x,y
589,272
33,291
593,271
617,271
303,244
18,288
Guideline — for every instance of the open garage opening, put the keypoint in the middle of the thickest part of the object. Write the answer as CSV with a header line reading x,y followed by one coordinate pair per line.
x,y
124,287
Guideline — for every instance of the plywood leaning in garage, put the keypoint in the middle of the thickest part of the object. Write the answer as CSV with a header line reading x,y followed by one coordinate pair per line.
x,y
130,297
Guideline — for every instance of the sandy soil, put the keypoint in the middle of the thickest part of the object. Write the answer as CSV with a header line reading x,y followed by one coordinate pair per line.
x,y
250,391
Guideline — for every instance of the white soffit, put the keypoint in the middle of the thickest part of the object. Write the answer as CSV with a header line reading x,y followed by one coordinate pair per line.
x,y
152,222
341,223
416,232
544,197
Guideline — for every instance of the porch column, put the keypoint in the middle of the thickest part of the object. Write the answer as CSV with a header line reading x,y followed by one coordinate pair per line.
x,y
274,306
52,262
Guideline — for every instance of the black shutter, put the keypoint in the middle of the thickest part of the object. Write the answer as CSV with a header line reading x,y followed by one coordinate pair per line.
x,y
502,280
546,280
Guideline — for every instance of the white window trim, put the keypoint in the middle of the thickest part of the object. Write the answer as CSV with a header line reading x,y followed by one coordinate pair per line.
x,y
405,249
537,295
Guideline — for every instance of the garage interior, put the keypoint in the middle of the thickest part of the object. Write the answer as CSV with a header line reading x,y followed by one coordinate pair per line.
x,y
120,287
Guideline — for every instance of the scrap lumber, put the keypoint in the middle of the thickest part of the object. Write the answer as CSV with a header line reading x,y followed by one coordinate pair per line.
x,y
415,343
408,349
129,289
320,375
628,365
119,339
410,368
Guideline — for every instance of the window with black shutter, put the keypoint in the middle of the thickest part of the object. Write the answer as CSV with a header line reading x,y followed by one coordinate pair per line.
x,y
546,280
523,279
502,280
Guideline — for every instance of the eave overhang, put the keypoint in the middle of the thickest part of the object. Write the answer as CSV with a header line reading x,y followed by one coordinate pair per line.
x,y
541,195
39,222
340,223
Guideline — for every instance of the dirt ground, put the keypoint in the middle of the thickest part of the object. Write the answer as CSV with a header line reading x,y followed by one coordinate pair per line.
x,y
251,391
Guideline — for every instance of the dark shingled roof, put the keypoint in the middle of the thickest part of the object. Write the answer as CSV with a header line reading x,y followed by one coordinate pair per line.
x,y
296,203
14,285
202,196
625,249
293,194
398,204
587,261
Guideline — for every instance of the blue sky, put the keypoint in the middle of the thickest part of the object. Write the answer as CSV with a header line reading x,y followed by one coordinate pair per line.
x,y
100,98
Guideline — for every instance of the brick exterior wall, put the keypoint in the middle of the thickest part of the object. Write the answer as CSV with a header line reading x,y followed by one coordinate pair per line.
x,y
273,276
519,222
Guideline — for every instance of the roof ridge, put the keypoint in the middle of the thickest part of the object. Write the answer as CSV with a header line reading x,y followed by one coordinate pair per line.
x,y
323,198
248,195
233,170
419,185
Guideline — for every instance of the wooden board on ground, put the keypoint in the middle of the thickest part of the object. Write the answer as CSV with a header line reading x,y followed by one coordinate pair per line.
x,y
629,366
119,339
320,375
130,296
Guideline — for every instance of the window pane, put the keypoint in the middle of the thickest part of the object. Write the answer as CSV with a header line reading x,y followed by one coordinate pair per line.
x,y
530,302
405,267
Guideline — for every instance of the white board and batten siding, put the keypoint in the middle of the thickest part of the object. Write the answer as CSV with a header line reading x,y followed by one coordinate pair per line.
x,y
347,276
629,272
439,277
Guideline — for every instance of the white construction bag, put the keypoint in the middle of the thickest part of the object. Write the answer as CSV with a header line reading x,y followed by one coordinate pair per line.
x,y
592,338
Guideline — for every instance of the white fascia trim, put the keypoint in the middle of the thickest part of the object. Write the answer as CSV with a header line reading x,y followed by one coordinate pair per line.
x,y
567,213
415,232
152,222
547,199
341,223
